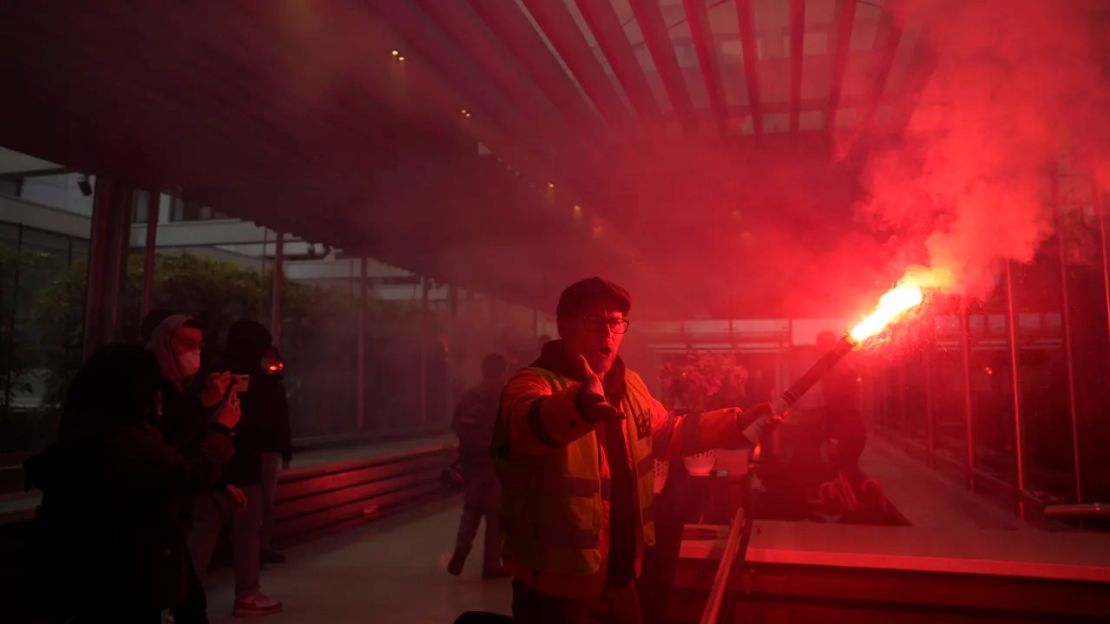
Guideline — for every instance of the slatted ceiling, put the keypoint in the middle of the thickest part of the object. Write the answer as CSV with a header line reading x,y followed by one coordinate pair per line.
x,y
556,28
509,23
619,88
658,41
303,104
866,26
751,52
467,30
822,12
706,48
796,42
863,58
772,29
906,58
640,50
683,40
423,39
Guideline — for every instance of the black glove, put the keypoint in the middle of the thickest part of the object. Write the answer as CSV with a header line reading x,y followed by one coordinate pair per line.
x,y
594,408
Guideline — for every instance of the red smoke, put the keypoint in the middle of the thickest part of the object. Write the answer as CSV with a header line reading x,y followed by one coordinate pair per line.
x,y
1017,87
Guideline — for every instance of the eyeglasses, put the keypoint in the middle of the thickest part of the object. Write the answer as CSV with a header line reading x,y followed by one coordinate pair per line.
x,y
600,324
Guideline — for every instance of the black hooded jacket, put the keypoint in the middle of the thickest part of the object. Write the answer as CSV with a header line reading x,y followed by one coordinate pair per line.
x,y
109,535
264,425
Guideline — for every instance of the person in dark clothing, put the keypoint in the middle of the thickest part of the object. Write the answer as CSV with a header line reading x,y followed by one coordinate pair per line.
x,y
277,442
189,402
247,341
574,446
473,422
845,430
108,540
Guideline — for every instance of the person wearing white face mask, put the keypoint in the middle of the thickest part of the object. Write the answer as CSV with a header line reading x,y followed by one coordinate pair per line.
x,y
189,402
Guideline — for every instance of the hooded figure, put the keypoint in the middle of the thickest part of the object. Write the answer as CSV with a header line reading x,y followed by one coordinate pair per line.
x,y
263,405
187,401
264,408
178,356
108,538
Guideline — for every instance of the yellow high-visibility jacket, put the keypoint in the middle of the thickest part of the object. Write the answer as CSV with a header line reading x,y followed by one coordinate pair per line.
x,y
555,475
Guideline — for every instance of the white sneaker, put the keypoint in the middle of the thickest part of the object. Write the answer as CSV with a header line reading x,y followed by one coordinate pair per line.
x,y
255,603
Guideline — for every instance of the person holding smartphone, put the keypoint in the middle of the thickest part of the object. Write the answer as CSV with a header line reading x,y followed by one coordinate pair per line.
x,y
108,540
190,401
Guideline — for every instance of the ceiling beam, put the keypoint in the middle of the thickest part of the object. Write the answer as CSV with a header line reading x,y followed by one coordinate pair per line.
x,y
920,70
415,82
607,30
563,33
845,16
511,25
797,50
887,39
697,16
746,18
650,18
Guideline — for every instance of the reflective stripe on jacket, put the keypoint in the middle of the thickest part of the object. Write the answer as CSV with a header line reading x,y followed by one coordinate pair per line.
x,y
556,479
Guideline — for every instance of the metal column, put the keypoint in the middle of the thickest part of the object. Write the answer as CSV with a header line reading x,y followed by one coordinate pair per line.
x,y
1065,317
903,399
360,366
10,347
930,436
109,237
1096,195
279,271
969,430
1015,377
151,246
423,352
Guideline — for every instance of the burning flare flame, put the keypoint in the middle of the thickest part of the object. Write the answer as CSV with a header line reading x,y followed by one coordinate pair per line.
x,y
891,305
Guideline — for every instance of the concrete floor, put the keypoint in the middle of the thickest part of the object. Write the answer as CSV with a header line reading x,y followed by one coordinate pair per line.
x,y
393,570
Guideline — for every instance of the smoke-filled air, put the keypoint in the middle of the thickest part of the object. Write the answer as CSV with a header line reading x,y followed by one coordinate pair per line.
x,y
967,186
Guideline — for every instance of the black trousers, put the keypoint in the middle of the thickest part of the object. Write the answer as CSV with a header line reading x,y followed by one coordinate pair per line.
x,y
482,493
617,605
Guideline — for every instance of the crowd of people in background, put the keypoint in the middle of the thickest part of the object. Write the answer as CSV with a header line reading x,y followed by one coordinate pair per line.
x,y
159,449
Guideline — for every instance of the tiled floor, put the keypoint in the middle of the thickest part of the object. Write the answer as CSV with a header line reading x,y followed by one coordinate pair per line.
x,y
388,571
928,499
393,570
